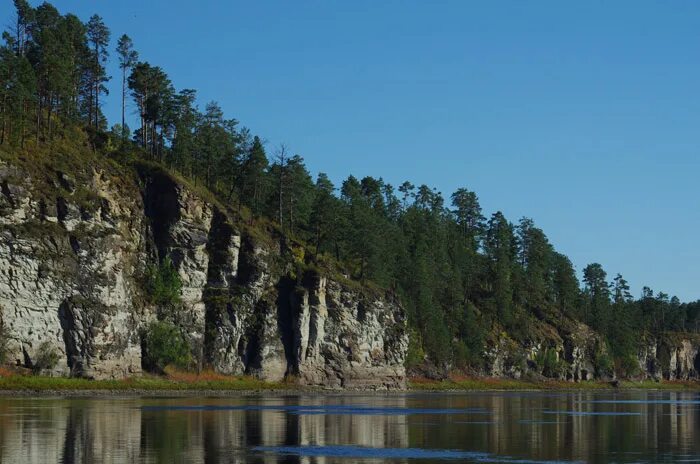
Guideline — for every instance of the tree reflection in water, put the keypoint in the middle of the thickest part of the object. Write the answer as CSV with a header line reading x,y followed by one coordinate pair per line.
x,y
316,429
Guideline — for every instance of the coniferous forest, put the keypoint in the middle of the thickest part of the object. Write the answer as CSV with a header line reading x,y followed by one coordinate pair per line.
x,y
462,274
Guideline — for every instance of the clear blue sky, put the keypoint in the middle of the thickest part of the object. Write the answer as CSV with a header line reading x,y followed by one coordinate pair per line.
x,y
582,115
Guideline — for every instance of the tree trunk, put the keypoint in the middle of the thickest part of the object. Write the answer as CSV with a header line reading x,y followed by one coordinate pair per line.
x,y
97,83
4,118
38,120
97,103
291,215
48,118
123,103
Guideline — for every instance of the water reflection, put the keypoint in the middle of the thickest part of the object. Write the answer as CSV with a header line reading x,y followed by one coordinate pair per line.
x,y
318,429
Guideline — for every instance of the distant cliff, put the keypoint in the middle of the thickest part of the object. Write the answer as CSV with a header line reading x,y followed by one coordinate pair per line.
x,y
76,242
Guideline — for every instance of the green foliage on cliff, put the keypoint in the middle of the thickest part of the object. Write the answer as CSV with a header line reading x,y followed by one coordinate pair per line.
x,y
163,284
462,276
415,355
45,358
603,364
165,345
3,341
549,363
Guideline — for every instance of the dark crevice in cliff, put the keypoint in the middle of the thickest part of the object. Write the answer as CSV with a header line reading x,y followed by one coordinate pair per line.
x,y
74,244
162,208
67,320
218,308
252,357
77,324
285,321
247,268
218,248
61,209
5,189
26,359
361,312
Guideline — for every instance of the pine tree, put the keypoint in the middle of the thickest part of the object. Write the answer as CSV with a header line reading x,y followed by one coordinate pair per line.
x,y
253,180
500,249
187,119
467,213
128,58
98,36
597,291
323,212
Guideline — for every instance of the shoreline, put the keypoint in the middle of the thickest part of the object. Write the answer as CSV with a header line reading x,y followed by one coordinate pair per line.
x,y
35,386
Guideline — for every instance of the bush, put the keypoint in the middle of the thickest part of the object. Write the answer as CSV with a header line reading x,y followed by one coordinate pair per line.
x,y
415,354
46,358
163,283
603,365
466,355
165,345
628,365
549,363
3,342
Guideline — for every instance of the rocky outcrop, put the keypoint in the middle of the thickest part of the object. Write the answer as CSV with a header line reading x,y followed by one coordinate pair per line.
x,y
577,353
325,346
73,254
676,358
567,352
67,267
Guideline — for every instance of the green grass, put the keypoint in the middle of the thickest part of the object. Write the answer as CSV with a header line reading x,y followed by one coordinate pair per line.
x,y
31,383
39,384
510,384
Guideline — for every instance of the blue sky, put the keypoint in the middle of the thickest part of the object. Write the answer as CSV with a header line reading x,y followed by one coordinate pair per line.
x,y
582,115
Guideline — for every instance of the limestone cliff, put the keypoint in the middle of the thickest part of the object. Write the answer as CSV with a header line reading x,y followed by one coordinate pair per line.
x,y
75,243
73,251
572,351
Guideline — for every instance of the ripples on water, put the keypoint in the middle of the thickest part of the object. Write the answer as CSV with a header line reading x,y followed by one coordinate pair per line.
x,y
412,428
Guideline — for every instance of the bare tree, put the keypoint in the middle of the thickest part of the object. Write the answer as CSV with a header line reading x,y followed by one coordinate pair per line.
x,y
281,161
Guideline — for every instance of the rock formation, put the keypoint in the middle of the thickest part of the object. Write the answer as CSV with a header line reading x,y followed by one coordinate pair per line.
x,y
73,253
75,246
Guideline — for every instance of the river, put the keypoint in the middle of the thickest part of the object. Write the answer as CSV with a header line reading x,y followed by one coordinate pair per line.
x,y
511,427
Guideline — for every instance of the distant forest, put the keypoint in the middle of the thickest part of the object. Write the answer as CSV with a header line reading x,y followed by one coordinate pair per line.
x,y
463,277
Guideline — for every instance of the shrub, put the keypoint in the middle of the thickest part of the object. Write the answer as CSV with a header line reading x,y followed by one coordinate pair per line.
x,y
603,365
165,345
466,355
549,363
628,365
163,283
415,354
3,342
46,358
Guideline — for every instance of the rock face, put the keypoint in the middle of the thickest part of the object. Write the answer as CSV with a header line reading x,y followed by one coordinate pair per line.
x,y
572,351
670,359
73,254
565,354
66,276
74,250
325,346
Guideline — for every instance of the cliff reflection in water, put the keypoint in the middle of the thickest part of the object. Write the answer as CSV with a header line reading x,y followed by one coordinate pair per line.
x,y
487,426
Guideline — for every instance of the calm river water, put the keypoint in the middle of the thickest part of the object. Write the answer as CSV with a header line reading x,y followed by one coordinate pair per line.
x,y
514,427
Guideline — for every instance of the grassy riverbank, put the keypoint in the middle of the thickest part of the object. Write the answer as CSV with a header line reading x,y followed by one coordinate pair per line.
x,y
212,382
476,384
173,381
